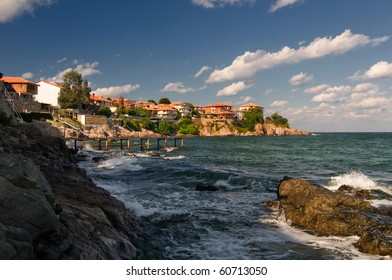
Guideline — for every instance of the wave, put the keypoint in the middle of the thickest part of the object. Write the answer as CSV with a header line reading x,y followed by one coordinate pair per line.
x,y
357,180
342,246
121,164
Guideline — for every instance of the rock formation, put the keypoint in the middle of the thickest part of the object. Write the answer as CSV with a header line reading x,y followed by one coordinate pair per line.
x,y
208,127
50,209
341,213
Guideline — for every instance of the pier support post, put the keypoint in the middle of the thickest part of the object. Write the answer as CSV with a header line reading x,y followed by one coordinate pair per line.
x,y
99,144
107,145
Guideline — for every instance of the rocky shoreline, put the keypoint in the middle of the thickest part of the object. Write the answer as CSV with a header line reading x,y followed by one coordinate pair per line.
x,y
346,212
50,209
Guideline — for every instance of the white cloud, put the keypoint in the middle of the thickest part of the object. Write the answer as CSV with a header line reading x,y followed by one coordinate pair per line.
x,y
283,3
325,97
366,87
201,71
300,79
62,60
9,9
380,70
234,89
250,63
27,75
331,94
269,92
116,91
279,103
219,3
177,87
316,89
86,69
244,100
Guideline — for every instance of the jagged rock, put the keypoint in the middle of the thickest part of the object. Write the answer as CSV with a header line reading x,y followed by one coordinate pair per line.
x,y
50,209
362,194
334,213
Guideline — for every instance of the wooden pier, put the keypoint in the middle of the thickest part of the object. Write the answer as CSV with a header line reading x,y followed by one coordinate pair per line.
x,y
129,144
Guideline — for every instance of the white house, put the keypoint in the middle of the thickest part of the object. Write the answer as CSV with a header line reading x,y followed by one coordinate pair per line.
x,y
48,93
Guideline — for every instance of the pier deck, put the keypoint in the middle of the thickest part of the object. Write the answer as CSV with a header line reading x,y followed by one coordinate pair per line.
x,y
141,144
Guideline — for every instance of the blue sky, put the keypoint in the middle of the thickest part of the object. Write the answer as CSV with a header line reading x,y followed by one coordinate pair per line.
x,y
325,65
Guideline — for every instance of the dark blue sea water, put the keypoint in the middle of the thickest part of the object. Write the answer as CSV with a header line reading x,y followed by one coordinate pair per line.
x,y
233,222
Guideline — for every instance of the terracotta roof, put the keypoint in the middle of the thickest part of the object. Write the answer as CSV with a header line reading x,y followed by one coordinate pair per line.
x,y
218,105
250,105
17,80
99,98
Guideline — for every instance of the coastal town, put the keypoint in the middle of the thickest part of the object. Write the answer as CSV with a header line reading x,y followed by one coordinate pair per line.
x,y
165,117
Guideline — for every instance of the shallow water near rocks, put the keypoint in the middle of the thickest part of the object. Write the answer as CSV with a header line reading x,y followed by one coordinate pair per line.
x,y
233,222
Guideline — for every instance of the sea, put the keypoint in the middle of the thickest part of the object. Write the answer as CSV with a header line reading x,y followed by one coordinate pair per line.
x,y
233,222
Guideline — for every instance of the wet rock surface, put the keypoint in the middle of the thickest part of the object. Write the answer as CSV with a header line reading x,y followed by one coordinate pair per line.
x,y
341,213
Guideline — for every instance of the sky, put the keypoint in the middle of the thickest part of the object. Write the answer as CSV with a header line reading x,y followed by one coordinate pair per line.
x,y
326,65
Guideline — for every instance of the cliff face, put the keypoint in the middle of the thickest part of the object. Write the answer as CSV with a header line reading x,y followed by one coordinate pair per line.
x,y
208,128
50,209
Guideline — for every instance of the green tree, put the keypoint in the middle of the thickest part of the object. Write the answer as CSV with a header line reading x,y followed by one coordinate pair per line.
x,y
251,118
152,101
165,128
278,120
75,91
104,111
186,126
164,100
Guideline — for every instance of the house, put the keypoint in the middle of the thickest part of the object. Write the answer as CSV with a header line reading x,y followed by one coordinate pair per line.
x,y
145,104
163,111
48,93
183,108
23,92
247,107
199,109
98,100
219,111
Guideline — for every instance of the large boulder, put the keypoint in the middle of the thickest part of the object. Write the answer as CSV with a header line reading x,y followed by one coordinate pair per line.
x,y
325,212
50,209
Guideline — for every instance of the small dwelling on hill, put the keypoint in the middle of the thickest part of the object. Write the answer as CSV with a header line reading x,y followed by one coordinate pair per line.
x,y
48,93
92,120
23,93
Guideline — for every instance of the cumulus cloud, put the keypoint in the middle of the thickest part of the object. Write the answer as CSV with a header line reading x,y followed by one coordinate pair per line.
x,y
234,89
279,103
248,64
201,71
219,3
27,75
244,100
325,97
85,69
116,91
366,87
283,3
331,94
300,79
9,9
316,89
380,70
177,87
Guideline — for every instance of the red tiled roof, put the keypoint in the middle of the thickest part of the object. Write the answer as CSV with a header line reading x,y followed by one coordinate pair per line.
x,y
218,105
17,80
